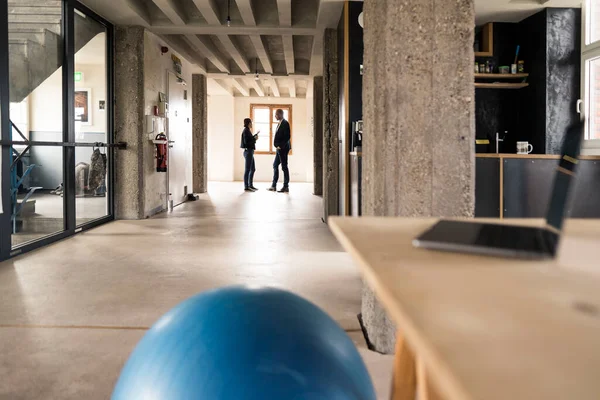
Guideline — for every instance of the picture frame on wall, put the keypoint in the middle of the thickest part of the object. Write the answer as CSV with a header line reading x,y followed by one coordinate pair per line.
x,y
83,106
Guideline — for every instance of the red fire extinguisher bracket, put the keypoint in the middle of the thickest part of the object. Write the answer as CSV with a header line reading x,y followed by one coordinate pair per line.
x,y
162,151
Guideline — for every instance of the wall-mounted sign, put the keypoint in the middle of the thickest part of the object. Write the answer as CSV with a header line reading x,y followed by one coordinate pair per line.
x,y
176,63
78,76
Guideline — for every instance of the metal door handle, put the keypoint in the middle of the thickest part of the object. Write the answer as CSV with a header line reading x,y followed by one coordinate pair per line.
x,y
579,103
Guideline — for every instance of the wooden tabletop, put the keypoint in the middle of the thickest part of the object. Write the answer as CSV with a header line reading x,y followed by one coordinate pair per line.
x,y
489,328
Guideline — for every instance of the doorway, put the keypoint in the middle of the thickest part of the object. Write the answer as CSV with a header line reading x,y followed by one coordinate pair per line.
x,y
178,127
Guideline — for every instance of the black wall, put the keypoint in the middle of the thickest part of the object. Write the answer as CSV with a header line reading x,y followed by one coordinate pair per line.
x,y
534,97
563,55
541,112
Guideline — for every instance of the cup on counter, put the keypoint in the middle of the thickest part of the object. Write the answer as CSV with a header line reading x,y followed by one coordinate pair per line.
x,y
524,148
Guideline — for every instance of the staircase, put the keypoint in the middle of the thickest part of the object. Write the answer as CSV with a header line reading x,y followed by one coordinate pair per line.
x,y
35,42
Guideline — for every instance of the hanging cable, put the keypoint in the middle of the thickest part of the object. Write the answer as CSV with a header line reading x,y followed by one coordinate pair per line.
x,y
228,12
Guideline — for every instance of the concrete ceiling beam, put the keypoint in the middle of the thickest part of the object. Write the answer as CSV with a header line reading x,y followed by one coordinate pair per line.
x,y
140,11
245,7
170,9
195,29
209,10
234,52
288,50
261,51
207,50
258,87
292,87
274,87
184,53
329,14
316,57
240,87
224,85
284,8
221,75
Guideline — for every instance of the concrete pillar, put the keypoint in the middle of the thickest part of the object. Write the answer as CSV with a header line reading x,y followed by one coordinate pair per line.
x,y
129,122
418,106
318,135
199,134
331,97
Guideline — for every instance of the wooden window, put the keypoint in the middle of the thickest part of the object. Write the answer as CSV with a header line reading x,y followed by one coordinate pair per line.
x,y
263,120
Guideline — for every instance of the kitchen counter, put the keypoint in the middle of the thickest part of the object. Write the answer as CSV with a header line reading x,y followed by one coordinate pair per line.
x,y
532,156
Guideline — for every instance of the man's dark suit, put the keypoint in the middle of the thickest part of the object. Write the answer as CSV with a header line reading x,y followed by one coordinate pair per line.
x,y
283,145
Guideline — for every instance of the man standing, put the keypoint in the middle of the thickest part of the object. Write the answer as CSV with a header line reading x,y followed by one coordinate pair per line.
x,y
283,146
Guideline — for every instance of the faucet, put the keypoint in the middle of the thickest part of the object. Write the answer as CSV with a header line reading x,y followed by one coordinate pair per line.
x,y
498,140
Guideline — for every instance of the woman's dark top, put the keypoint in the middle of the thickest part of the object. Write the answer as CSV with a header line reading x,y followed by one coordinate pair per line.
x,y
248,140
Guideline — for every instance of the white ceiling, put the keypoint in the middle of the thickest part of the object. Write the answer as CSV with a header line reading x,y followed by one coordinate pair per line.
x,y
514,10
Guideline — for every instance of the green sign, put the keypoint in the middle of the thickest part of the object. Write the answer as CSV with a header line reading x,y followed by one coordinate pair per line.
x,y
78,76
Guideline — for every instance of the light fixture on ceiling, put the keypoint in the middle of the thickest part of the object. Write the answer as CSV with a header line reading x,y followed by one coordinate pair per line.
x,y
256,76
228,12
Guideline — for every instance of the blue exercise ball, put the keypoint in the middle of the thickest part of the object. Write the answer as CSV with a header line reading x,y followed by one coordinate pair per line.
x,y
240,343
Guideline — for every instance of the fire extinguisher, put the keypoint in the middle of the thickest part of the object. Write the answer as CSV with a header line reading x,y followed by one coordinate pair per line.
x,y
162,151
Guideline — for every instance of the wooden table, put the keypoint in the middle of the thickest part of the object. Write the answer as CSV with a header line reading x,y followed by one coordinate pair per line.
x,y
474,327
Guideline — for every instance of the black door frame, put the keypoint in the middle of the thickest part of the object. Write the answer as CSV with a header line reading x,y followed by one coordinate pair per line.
x,y
68,65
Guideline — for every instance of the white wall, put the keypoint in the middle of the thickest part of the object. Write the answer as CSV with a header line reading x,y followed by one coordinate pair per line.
x,y
222,145
94,78
46,115
301,159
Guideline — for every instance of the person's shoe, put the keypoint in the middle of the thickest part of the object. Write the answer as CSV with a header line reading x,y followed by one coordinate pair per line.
x,y
253,188
272,189
284,190
248,190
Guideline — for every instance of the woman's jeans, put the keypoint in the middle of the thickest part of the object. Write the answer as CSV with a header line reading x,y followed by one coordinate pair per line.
x,y
250,168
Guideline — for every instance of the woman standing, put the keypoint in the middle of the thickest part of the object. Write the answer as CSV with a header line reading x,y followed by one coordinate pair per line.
x,y
249,145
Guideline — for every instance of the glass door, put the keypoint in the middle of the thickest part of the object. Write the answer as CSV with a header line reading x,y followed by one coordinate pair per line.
x,y
36,173
91,118
56,122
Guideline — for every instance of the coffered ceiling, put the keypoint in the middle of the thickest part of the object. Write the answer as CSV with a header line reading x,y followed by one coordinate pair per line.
x,y
279,39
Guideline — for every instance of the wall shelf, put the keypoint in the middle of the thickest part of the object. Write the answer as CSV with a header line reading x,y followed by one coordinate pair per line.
x,y
487,41
502,85
501,76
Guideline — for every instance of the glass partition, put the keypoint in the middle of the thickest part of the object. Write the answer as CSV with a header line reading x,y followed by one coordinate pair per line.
x,y
91,119
35,54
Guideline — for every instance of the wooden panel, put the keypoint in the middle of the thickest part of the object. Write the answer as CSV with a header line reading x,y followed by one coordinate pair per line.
x,y
488,328
487,42
500,85
501,76
487,188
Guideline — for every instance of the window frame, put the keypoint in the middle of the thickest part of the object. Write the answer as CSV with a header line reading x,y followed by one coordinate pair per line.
x,y
272,108
589,51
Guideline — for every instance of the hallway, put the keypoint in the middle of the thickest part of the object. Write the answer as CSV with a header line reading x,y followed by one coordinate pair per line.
x,y
72,312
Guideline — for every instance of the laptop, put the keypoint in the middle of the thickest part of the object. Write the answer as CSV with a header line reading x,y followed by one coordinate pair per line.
x,y
509,240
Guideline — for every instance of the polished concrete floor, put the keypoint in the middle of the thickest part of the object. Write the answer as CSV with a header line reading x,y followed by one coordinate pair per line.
x,y
71,313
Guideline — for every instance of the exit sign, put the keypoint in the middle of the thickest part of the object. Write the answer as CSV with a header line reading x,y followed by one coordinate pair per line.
x,y
78,76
